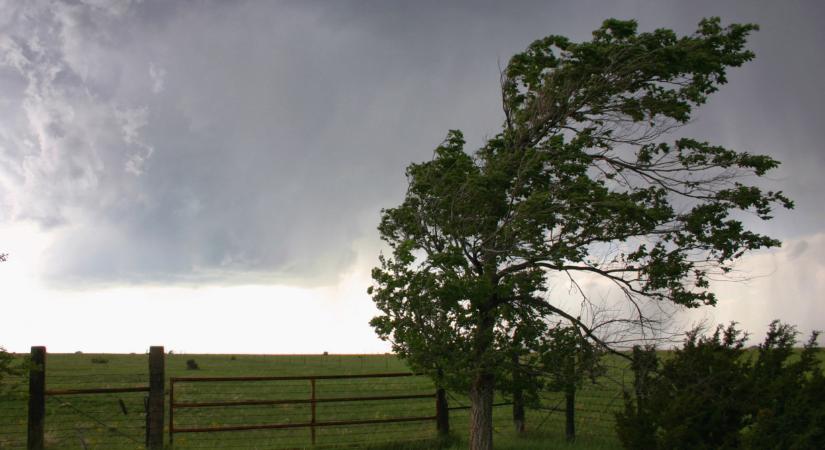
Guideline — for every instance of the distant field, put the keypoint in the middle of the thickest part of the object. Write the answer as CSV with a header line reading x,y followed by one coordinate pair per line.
x,y
116,421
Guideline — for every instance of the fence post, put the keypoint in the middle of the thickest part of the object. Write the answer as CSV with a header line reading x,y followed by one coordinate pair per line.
x,y
37,399
570,422
442,413
171,411
155,411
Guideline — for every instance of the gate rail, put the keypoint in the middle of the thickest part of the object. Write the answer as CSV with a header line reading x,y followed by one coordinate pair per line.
x,y
54,392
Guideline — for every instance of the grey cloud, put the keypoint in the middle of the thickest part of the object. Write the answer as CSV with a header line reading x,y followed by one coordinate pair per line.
x,y
786,284
234,142
798,249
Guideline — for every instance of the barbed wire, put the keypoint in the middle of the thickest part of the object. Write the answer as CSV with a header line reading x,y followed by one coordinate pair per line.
x,y
91,416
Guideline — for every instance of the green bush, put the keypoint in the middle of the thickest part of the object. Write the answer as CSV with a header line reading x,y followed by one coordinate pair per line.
x,y
191,364
7,368
712,394
99,360
790,411
13,382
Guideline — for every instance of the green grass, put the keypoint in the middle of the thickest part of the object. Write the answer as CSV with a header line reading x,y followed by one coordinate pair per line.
x,y
116,421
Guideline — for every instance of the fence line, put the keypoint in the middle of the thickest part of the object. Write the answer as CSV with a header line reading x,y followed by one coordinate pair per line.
x,y
306,402
38,394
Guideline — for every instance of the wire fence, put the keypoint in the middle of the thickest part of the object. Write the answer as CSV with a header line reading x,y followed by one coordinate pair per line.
x,y
105,421
13,412
80,413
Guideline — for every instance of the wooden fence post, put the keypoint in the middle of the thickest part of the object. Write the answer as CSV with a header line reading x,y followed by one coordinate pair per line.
x,y
570,410
442,413
155,410
37,398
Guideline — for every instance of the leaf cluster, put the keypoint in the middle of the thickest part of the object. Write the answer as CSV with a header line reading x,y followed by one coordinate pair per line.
x,y
568,359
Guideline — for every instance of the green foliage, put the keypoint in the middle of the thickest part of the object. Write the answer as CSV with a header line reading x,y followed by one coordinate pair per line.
x,y
698,397
791,394
99,360
580,180
12,369
191,364
711,395
6,364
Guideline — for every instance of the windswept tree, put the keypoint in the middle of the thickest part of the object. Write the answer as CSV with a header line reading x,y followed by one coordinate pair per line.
x,y
581,180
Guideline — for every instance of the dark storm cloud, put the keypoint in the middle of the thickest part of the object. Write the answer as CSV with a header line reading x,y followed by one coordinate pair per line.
x,y
222,142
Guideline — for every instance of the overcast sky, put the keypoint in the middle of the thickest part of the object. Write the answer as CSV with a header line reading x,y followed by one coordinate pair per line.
x,y
208,175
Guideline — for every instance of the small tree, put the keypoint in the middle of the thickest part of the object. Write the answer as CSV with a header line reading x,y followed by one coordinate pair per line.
x,y
568,358
635,425
519,378
579,181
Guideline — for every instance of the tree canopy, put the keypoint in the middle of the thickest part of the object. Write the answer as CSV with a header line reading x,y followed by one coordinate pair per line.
x,y
581,179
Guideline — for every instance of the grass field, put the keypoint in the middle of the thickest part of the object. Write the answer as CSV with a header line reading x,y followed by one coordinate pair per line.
x,y
116,421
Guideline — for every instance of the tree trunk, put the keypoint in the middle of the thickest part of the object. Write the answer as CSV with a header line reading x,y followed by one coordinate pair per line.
x,y
481,412
481,391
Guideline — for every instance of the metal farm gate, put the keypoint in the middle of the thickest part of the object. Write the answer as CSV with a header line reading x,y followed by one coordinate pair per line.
x,y
360,408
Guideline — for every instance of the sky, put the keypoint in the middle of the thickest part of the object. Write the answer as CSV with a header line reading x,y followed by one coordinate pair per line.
x,y
209,175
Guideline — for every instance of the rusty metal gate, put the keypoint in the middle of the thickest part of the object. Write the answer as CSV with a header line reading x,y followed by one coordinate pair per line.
x,y
303,392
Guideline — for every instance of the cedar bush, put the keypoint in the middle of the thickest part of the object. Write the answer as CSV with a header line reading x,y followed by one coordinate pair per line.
x,y
713,394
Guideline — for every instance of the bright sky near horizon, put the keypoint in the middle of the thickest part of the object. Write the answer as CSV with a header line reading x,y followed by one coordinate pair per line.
x,y
209,176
